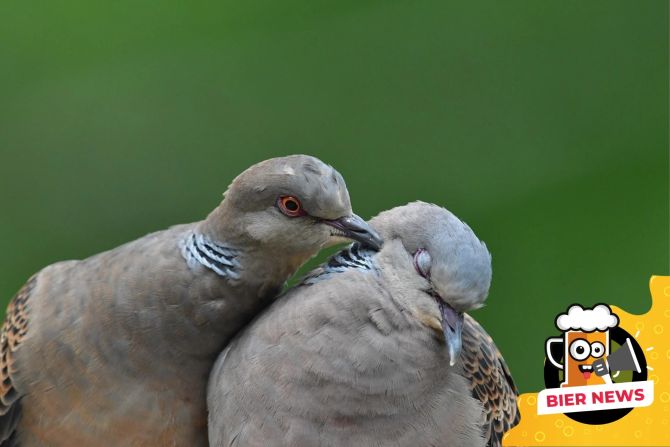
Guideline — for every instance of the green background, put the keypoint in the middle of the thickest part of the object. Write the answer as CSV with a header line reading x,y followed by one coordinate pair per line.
x,y
542,124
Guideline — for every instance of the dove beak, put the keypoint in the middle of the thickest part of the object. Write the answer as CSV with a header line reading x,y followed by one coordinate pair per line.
x,y
452,327
354,228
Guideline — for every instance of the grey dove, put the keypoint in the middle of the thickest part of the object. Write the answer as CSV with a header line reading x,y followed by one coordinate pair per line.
x,y
115,350
372,349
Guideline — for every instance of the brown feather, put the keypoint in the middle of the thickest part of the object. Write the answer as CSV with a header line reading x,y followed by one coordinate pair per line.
x,y
14,330
490,381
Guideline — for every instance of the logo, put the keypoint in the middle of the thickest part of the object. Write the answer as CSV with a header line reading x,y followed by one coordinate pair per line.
x,y
622,399
595,372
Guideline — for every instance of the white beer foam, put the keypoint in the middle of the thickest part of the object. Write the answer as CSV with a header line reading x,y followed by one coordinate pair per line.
x,y
587,320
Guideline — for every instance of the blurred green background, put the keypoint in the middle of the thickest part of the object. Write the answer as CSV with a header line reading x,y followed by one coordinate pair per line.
x,y
542,124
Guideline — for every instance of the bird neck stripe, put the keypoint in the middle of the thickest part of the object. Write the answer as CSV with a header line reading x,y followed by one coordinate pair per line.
x,y
197,249
354,257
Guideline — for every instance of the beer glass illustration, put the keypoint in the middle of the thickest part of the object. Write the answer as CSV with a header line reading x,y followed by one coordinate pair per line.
x,y
585,340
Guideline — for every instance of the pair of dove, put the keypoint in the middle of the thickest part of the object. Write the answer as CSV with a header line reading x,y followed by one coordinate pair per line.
x,y
372,348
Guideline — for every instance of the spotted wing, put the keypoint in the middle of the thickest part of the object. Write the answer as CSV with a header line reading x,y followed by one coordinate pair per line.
x,y
13,331
490,382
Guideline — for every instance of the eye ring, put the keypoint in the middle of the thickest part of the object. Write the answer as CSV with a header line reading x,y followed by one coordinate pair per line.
x,y
290,206
580,349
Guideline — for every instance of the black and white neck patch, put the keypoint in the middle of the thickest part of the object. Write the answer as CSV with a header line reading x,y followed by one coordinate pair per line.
x,y
198,249
353,257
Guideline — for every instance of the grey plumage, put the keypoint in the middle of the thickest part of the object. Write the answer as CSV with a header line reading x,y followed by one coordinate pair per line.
x,y
116,349
357,355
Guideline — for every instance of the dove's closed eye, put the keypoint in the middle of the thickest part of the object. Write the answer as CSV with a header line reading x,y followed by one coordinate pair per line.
x,y
422,262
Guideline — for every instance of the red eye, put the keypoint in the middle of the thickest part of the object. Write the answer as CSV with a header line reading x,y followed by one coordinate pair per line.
x,y
290,206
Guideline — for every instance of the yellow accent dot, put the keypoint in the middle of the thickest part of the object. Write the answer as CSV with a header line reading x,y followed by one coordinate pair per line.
x,y
667,354
568,431
654,355
665,397
648,421
667,291
654,378
540,436
658,329
664,422
638,434
667,313
639,326
531,400
558,423
524,433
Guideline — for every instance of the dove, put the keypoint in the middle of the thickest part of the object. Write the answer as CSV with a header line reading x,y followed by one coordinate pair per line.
x,y
372,349
116,349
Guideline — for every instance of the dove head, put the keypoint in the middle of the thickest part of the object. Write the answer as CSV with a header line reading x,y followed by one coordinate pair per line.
x,y
295,204
439,268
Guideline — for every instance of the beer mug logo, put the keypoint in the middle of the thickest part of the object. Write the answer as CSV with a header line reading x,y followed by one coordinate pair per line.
x,y
586,338
596,371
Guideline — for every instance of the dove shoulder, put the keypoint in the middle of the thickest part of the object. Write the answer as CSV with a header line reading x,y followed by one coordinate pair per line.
x,y
14,330
490,381
53,338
